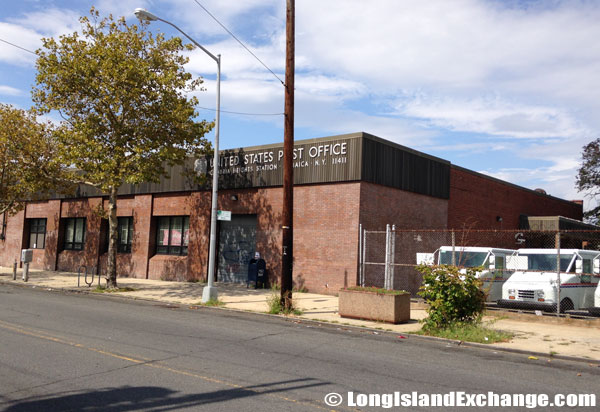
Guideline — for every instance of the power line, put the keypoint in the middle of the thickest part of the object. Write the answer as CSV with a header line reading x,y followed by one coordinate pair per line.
x,y
205,108
18,47
239,41
242,113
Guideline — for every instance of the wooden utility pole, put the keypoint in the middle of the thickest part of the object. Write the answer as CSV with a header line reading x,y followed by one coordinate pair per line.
x,y
287,224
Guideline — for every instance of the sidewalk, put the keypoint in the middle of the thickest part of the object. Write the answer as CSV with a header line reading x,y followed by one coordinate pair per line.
x,y
566,337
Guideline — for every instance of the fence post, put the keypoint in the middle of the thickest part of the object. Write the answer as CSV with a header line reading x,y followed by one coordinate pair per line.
x,y
386,272
558,273
392,256
453,247
360,254
15,270
364,256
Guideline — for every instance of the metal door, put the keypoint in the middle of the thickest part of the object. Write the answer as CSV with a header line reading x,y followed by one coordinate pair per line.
x,y
237,243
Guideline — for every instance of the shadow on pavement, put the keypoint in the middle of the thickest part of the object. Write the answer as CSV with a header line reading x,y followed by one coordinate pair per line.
x,y
128,398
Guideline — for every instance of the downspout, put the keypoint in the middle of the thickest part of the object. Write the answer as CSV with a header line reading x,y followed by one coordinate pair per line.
x,y
150,232
3,233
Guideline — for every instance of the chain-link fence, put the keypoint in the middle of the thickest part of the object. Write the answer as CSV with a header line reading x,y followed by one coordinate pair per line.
x,y
519,269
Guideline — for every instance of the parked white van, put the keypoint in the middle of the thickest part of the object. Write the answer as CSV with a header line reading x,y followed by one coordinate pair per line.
x,y
596,309
534,283
492,259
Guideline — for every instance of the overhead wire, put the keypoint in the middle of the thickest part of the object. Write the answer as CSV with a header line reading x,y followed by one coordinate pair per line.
x,y
242,113
204,108
18,47
239,41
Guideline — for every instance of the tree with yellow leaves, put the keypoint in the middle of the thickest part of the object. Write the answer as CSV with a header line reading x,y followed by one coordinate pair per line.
x,y
29,166
121,93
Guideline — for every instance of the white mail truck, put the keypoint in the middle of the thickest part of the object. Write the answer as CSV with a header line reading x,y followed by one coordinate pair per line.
x,y
493,261
595,310
537,283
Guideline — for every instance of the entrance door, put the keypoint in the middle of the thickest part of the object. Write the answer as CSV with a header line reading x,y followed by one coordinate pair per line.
x,y
237,243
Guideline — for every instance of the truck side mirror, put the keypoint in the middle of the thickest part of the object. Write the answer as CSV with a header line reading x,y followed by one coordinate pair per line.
x,y
578,265
596,266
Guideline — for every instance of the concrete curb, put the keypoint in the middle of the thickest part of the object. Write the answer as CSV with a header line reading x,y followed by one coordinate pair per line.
x,y
591,322
445,340
321,323
503,349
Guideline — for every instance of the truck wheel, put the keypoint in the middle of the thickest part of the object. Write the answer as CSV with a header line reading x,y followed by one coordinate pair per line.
x,y
566,304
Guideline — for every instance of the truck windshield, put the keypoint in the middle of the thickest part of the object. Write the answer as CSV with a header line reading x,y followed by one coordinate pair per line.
x,y
547,261
462,258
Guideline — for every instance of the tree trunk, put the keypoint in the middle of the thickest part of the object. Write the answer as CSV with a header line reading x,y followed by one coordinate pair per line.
x,y
111,266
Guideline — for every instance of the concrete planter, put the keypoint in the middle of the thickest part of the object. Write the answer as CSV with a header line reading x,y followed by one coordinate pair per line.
x,y
380,307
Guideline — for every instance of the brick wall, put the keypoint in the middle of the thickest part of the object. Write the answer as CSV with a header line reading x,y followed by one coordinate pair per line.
x,y
134,264
476,201
141,210
10,246
380,206
326,236
164,266
197,260
325,231
326,221
72,260
45,258
266,204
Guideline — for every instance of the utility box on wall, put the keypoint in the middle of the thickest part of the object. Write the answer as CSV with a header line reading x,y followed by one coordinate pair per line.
x,y
26,255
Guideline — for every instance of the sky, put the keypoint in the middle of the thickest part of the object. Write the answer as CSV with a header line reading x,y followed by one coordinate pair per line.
x,y
504,87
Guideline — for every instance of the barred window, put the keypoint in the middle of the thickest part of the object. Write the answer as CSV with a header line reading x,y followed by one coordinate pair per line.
x,y
37,233
125,229
172,235
74,233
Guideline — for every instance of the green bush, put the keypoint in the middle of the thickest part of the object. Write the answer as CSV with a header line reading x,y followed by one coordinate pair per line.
x,y
452,296
275,306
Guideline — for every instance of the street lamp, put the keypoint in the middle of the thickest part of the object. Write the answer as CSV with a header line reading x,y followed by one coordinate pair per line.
x,y
210,291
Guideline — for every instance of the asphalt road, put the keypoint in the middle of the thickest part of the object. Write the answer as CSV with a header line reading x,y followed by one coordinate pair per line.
x,y
62,352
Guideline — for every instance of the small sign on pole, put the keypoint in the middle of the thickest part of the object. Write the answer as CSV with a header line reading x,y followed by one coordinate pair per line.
x,y
224,215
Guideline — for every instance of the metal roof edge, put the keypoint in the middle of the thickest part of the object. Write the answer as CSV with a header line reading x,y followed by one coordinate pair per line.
x,y
404,148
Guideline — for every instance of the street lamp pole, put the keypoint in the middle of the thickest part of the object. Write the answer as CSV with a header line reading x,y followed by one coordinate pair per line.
x,y
210,291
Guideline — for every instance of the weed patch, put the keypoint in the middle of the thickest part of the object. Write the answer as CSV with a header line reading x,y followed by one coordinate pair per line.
x,y
379,291
276,308
468,332
214,303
